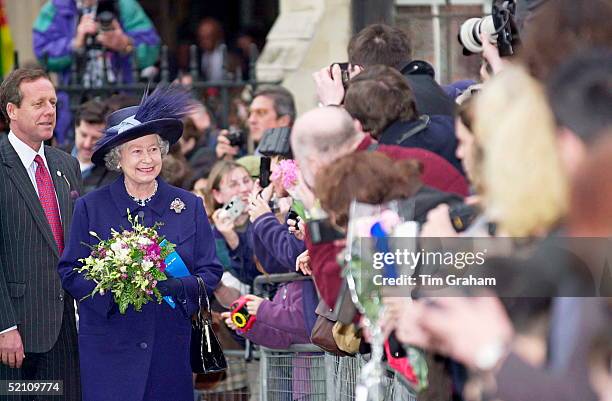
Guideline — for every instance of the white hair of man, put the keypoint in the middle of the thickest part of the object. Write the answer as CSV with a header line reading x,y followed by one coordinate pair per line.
x,y
321,136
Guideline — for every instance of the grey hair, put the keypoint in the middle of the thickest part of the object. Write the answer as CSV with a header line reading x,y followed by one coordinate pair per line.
x,y
112,158
284,105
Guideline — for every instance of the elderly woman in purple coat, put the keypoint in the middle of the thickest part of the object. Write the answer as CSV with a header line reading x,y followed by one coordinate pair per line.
x,y
140,355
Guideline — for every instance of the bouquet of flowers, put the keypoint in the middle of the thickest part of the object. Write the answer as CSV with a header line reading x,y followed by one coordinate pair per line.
x,y
128,264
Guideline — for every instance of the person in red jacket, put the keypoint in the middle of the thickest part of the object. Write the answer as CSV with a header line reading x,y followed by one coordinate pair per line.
x,y
322,136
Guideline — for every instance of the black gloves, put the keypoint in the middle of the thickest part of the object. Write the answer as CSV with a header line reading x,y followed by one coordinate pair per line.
x,y
173,287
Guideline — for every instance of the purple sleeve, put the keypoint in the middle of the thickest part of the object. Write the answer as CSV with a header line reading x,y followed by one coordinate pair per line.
x,y
285,312
264,335
206,265
277,243
72,281
52,35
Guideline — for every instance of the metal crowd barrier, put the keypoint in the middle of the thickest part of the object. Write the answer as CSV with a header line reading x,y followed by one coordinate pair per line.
x,y
302,372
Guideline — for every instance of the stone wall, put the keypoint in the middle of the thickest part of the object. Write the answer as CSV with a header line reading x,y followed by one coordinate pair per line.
x,y
307,35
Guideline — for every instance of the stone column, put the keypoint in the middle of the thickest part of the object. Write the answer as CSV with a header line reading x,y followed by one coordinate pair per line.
x,y
307,35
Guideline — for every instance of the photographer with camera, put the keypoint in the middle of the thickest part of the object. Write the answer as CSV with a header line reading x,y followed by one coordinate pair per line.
x,y
271,107
390,46
103,34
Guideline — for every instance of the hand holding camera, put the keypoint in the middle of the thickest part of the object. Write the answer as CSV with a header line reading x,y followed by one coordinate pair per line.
x,y
87,26
227,146
259,202
331,82
113,38
243,313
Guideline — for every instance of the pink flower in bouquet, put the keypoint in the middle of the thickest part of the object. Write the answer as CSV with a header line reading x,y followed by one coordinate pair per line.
x,y
153,251
286,173
162,266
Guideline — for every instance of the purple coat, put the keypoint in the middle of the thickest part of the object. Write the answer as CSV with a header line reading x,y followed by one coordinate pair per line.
x,y
281,322
139,355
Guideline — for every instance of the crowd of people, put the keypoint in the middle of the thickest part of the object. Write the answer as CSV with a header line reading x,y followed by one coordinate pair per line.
x,y
519,157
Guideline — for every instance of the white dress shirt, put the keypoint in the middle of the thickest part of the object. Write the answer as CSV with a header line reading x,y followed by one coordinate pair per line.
x,y
26,155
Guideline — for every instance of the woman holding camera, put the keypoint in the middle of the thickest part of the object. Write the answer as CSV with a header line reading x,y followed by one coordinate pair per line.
x,y
227,194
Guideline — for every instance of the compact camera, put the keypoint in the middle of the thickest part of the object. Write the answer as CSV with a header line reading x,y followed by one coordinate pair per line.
x,y
500,27
240,315
344,73
236,137
233,209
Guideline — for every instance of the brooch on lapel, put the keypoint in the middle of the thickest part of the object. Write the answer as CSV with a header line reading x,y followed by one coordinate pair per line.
x,y
177,205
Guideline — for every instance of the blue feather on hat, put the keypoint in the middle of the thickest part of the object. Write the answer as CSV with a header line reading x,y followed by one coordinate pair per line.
x,y
167,101
158,113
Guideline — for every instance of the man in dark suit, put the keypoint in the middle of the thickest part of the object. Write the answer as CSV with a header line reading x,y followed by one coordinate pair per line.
x,y
37,187
89,125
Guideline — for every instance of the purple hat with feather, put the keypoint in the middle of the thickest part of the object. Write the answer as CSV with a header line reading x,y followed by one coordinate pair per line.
x,y
158,113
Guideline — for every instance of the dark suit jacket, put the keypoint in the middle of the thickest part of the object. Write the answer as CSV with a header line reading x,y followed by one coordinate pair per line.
x,y
98,177
31,294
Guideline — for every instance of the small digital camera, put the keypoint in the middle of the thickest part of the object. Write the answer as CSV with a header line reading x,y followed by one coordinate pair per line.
x,y
240,315
233,209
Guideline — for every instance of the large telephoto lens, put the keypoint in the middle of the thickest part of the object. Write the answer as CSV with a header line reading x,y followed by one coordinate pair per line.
x,y
469,33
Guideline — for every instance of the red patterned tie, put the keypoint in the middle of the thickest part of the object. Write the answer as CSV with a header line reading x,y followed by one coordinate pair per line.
x,y
46,193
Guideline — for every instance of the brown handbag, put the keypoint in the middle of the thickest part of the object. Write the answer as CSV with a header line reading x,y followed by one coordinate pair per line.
x,y
322,332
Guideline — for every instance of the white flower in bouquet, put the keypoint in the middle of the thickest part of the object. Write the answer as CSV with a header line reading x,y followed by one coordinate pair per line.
x,y
128,264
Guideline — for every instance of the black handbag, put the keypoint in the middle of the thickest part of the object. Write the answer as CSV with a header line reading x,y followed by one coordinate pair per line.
x,y
205,351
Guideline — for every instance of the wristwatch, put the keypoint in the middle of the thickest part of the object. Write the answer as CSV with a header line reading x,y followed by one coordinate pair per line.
x,y
129,47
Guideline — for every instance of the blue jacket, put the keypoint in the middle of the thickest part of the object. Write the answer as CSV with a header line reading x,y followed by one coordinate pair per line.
x,y
435,133
275,247
139,355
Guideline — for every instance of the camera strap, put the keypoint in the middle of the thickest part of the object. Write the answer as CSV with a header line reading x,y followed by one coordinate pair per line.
x,y
422,125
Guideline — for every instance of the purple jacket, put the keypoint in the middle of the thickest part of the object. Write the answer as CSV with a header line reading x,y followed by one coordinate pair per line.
x,y
125,357
56,24
275,247
281,322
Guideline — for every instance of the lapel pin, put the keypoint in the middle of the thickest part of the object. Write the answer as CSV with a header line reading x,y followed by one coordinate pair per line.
x,y
177,205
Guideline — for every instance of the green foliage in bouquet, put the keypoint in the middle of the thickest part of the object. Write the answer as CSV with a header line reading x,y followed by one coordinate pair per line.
x,y
128,264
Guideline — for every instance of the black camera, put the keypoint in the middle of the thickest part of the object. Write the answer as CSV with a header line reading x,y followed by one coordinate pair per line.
x,y
264,171
236,137
462,216
500,26
292,215
275,142
322,231
106,12
344,73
